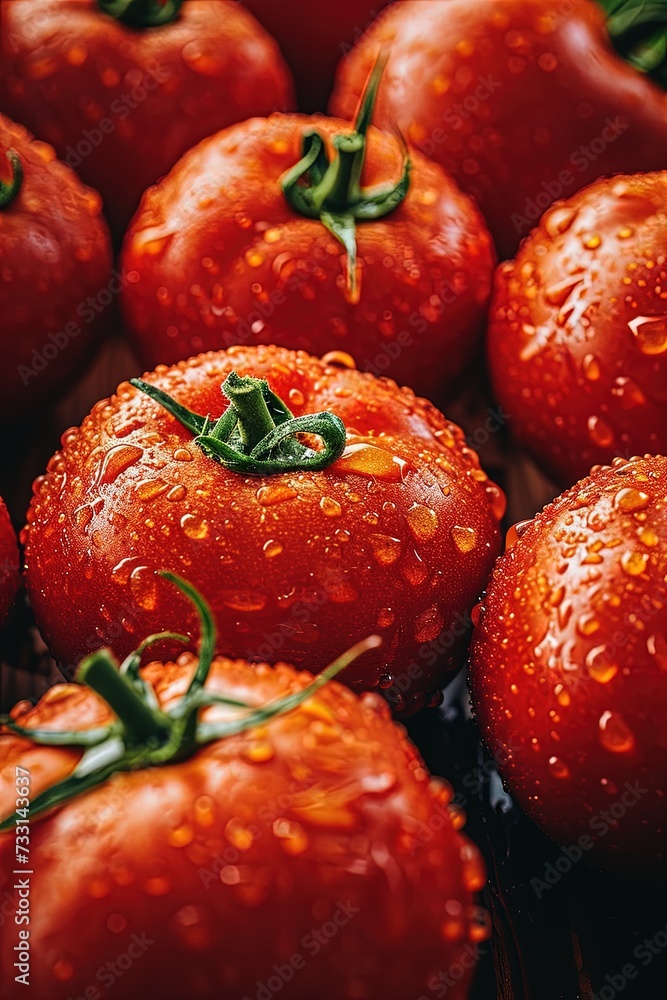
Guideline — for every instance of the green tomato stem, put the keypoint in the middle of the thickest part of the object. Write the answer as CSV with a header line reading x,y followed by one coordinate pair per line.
x,y
142,13
9,190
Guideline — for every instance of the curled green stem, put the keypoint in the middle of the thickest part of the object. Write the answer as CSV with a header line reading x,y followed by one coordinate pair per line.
x,y
143,735
332,192
257,435
638,30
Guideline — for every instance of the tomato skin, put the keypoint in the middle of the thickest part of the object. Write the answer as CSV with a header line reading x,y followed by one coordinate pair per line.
x,y
67,68
583,386
312,43
520,104
56,253
216,256
229,862
569,663
295,566
9,562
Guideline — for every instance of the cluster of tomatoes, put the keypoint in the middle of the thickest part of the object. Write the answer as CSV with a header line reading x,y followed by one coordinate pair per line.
x,y
266,510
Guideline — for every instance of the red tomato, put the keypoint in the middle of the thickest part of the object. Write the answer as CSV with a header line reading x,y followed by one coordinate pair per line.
x,y
55,279
9,562
286,849
578,331
569,666
217,256
313,41
398,535
521,101
122,102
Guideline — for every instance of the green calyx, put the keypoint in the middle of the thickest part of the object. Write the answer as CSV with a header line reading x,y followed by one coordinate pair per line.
x,y
143,735
638,30
331,191
257,435
9,189
142,13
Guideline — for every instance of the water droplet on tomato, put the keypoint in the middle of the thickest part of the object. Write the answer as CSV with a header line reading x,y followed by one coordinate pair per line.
x,y
428,624
292,836
600,668
558,768
143,586
276,493
600,432
117,460
634,563
272,548
615,734
630,500
151,488
194,526
330,507
465,539
650,333
422,521
385,548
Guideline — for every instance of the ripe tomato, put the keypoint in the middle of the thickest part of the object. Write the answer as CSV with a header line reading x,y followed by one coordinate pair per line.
x,y
313,43
284,850
220,252
521,101
578,330
398,535
56,275
569,666
9,562
122,95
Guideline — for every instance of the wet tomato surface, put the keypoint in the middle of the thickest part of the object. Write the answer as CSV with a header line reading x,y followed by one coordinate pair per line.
x,y
578,330
296,843
55,254
121,102
569,666
217,256
9,562
521,101
397,536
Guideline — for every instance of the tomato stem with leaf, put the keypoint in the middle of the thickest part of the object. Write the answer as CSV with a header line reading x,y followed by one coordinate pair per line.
x,y
257,435
332,192
9,189
142,13
143,735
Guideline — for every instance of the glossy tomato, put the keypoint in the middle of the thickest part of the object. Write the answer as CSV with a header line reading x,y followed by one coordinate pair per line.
x,y
397,535
9,562
123,89
569,666
55,281
285,850
217,255
521,101
313,41
578,330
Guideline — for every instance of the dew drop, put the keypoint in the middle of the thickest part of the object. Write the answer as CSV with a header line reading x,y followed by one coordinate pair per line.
x,y
369,460
182,455
650,333
591,368
292,836
177,493
117,460
615,734
657,647
465,539
151,488
634,563
330,507
272,548
339,359
598,665
428,625
143,586
194,526
422,521
385,548
276,493
629,500
558,768
600,432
